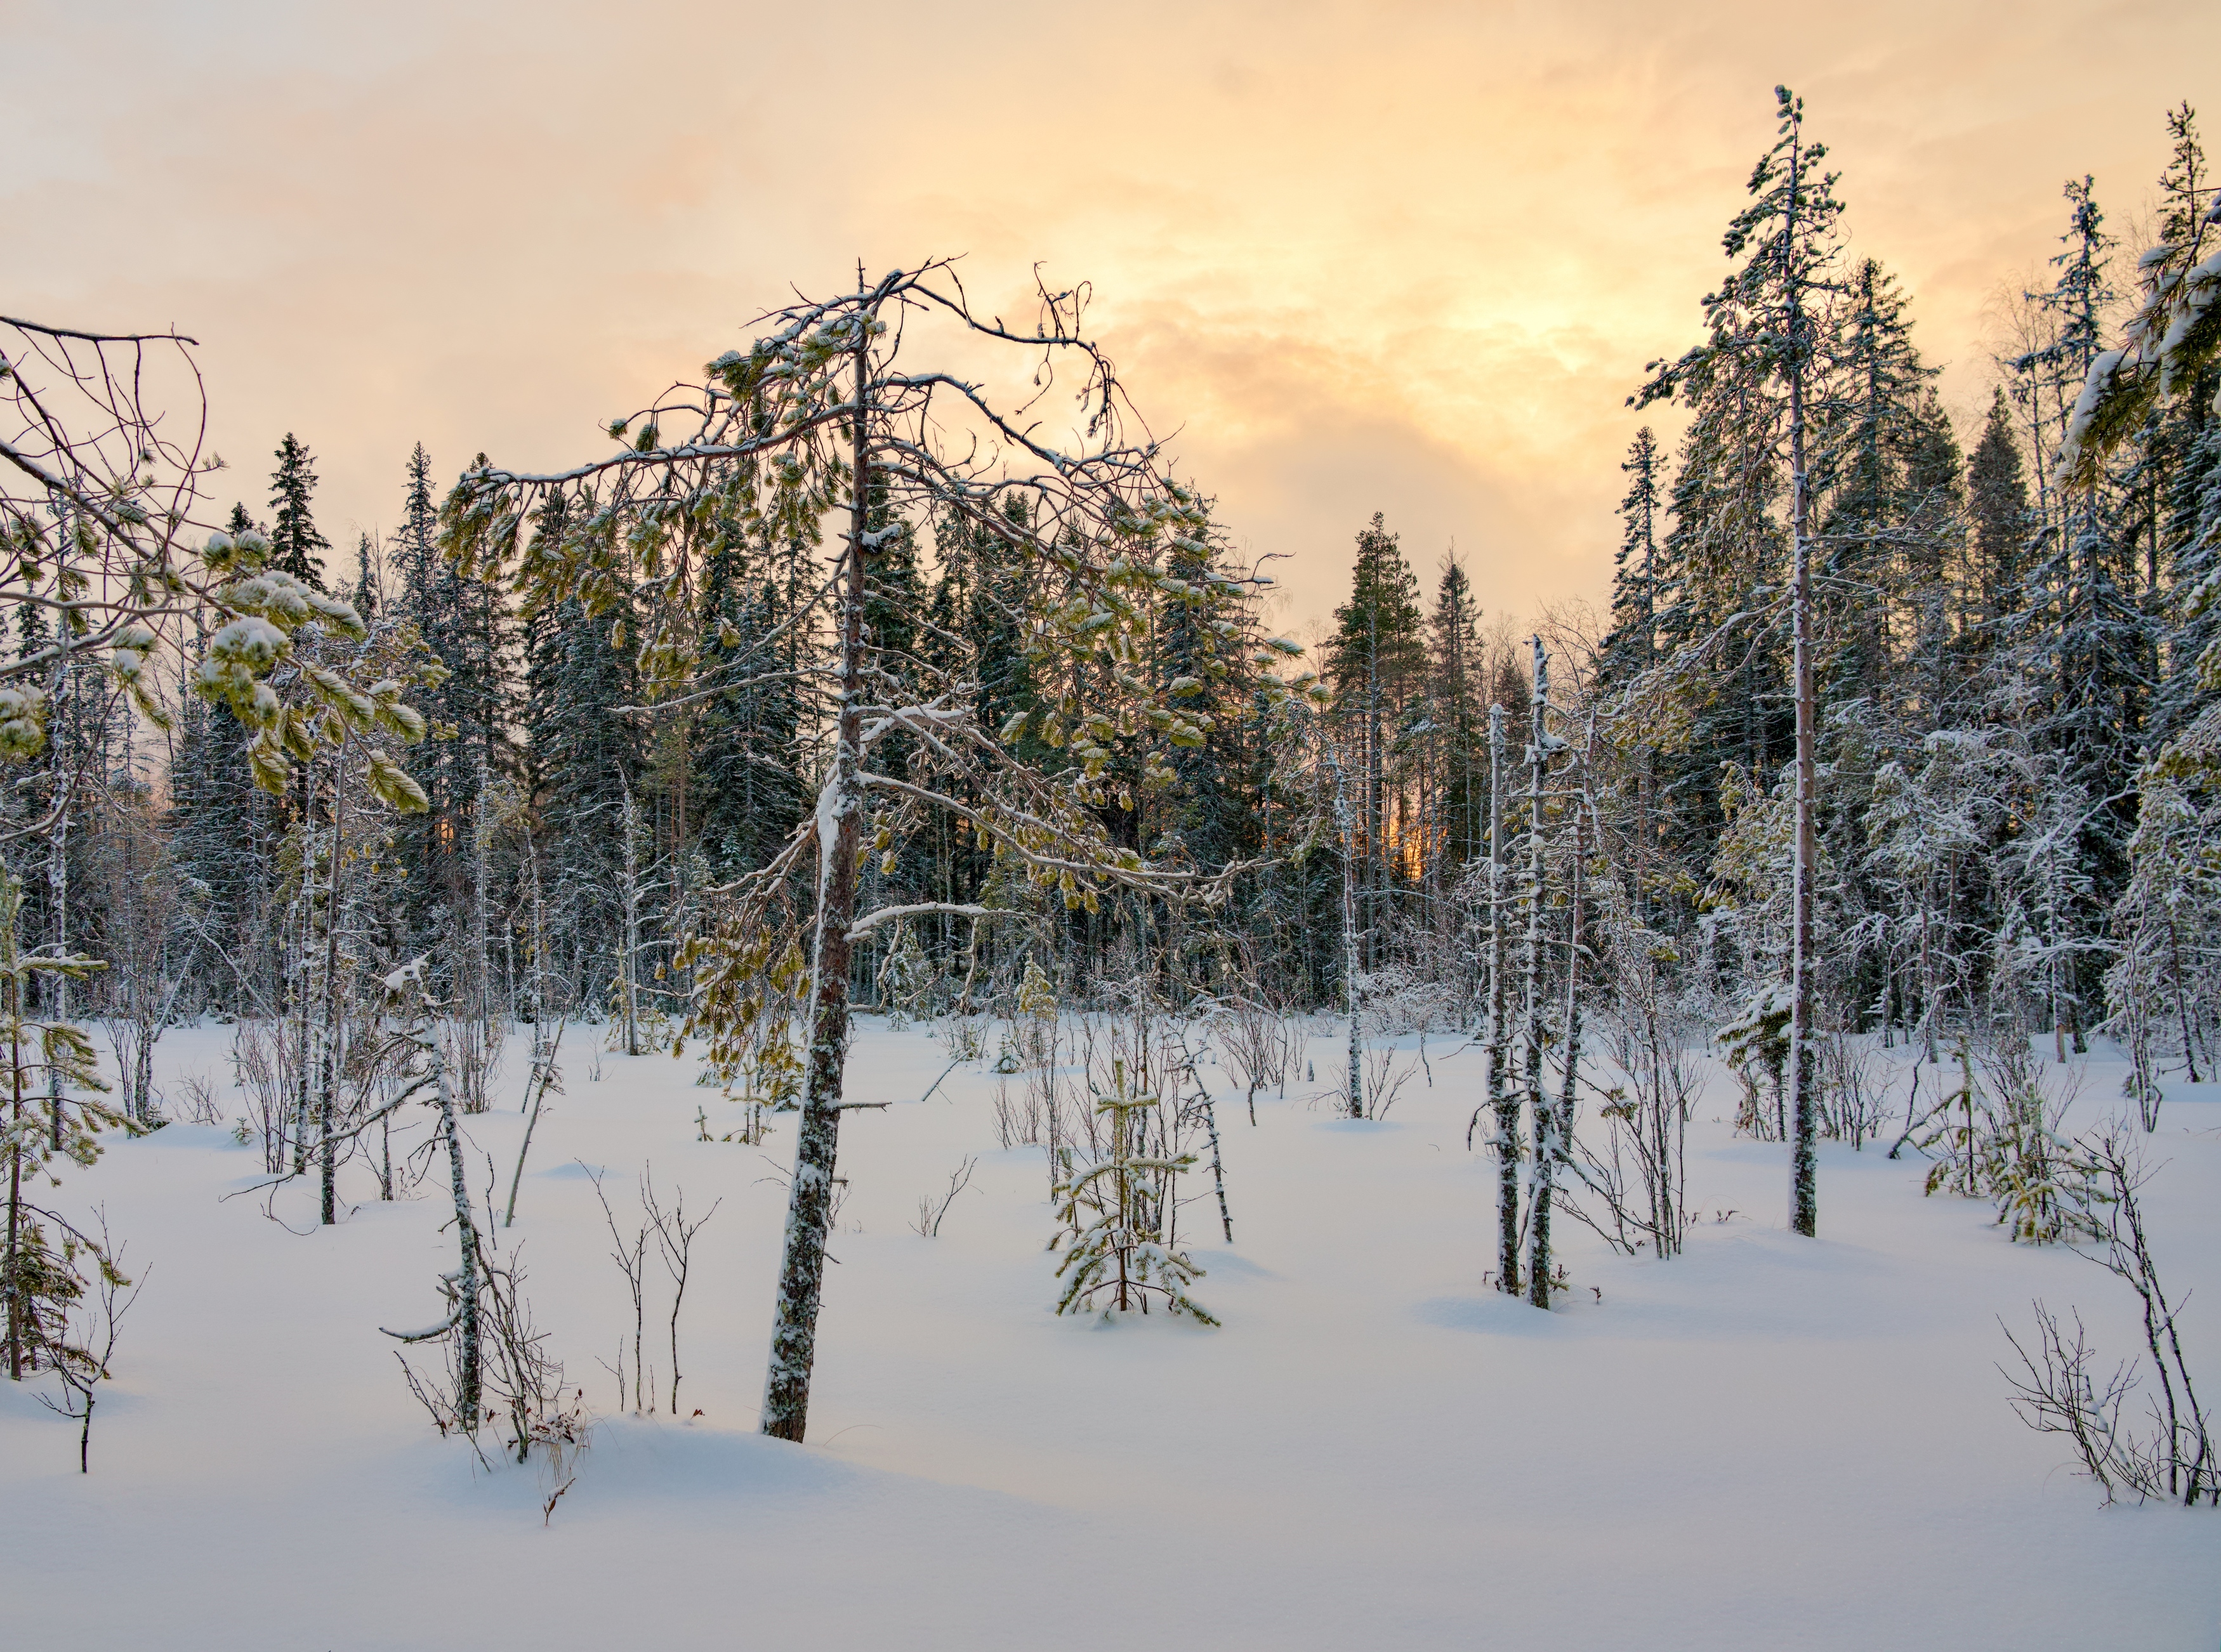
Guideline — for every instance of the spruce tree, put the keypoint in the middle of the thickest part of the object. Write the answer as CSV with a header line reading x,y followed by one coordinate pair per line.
x,y
2003,524
1376,661
294,541
1771,320
745,743
585,756
1630,648
1458,719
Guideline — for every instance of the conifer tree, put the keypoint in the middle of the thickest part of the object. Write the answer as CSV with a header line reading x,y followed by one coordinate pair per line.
x,y
1770,318
296,542
2004,523
1458,725
746,741
586,758
1375,660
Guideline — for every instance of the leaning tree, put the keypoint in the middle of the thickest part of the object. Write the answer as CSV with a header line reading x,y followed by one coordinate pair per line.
x,y
823,422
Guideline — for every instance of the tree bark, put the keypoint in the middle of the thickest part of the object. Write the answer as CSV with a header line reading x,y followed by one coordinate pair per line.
x,y
1538,1098
1804,1199
1501,1096
840,842
466,1238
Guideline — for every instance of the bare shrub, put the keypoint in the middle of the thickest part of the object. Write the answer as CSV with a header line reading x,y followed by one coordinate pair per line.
x,y
473,1046
1853,1103
1383,1081
266,1056
2172,1454
196,1100
932,1208
1261,1044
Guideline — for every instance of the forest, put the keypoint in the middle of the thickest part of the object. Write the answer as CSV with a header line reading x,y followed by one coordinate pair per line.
x,y
879,711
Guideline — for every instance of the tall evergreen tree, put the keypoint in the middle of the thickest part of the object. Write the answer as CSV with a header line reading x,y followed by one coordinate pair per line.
x,y
294,541
1457,712
746,741
1376,660
1772,317
2004,523
586,757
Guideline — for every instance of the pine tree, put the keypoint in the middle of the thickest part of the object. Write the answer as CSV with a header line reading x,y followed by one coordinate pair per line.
x,y
1456,715
584,757
1630,648
1863,528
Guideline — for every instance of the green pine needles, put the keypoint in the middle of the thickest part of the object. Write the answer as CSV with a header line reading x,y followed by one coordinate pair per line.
x,y
1118,1209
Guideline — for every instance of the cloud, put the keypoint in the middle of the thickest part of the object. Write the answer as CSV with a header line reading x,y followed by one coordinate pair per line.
x,y
1406,258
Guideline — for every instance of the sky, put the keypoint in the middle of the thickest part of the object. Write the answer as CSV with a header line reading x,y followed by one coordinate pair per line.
x,y
1398,256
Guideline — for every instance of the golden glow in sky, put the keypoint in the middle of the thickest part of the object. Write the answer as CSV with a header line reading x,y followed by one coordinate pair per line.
x,y
1404,258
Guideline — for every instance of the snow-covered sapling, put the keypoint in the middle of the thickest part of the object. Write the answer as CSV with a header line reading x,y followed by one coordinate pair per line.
x,y
630,1256
1118,1211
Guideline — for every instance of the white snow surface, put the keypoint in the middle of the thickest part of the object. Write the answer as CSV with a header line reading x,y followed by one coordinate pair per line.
x,y
1769,1442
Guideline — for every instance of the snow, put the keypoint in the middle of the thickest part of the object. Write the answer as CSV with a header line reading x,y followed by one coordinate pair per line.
x,y
1771,1442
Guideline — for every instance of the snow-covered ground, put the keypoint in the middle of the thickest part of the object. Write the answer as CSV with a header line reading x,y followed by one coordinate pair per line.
x,y
1769,1443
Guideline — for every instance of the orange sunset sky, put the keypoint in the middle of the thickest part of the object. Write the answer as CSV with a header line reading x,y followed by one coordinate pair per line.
x,y
1406,258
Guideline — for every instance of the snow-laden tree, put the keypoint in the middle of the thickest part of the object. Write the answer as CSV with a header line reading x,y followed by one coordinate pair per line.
x,y
824,419
2174,331
2161,987
1772,317
296,541
105,532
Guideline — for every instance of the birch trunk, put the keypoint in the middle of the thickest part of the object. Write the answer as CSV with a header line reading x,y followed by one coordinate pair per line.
x,y
328,1063
1502,1098
627,989
12,895
1538,1101
1561,1124
466,1239
63,799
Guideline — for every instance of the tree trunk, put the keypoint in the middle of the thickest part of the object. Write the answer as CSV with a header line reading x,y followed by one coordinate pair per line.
x,y
466,1239
1562,1125
1538,1100
840,842
1804,1205
628,986
1347,827
13,1278
1501,1096
326,1061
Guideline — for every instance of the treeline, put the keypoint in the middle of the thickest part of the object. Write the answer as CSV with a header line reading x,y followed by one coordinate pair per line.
x,y
2005,672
